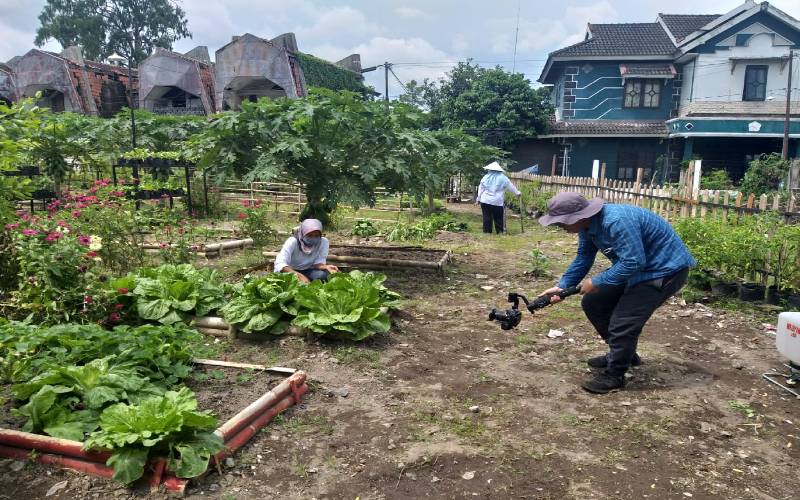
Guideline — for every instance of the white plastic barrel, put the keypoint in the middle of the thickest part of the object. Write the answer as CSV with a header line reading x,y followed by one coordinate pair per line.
x,y
787,338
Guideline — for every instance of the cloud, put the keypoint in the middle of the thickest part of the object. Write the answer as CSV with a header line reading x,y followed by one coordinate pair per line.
x,y
411,13
339,23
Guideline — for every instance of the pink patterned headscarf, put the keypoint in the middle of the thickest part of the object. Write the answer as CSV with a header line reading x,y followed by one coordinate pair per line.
x,y
307,226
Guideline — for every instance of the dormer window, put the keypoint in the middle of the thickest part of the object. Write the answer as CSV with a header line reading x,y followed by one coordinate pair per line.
x,y
755,83
642,93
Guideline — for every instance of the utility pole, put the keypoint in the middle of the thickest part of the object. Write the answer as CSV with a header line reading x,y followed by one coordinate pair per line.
x,y
386,67
787,122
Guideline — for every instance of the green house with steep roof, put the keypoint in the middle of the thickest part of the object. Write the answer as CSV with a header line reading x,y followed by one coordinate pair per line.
x,y
650,95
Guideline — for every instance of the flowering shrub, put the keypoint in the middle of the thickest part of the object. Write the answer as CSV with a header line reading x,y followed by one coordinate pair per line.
x,y
253,223
57,269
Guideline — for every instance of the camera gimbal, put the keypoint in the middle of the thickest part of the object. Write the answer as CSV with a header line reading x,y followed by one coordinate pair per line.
x,y
510,318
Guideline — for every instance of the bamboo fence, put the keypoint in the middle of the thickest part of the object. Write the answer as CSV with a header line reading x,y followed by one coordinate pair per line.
x,y
671,202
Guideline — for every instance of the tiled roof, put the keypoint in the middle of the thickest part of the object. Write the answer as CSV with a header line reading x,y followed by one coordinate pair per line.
x,y
634,39
579,128
655,70
683,25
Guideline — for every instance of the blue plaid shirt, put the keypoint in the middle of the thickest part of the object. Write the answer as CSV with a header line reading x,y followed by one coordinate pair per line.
x,y
641,246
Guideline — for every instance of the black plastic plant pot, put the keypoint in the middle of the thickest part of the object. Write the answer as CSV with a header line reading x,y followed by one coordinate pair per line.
x,y
723,288
122,162
700,280
793,301
751,292
43,194
148,194
776,297
170,162
29,171
177,192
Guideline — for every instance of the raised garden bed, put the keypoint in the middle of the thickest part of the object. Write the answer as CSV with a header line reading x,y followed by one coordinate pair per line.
x,y
385,257
235,432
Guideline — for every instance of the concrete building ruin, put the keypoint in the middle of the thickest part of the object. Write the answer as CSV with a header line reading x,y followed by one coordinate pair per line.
x,y
177,84
8,90
167,82
68,82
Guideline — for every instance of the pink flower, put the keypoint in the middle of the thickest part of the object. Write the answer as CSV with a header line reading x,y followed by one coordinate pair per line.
x,y
91,254
84,240
118,307
25,217
241,216
114,317
163,245
61,223
51,237
81,269
116,193
30,232
122,291
76,213
88,299
12,226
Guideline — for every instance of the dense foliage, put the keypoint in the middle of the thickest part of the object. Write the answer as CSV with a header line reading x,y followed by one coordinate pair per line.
x,y
743,247
321,73
489,102
263,304
765,174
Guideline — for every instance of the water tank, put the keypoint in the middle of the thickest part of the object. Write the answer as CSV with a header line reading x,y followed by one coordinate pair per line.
x,y
787,338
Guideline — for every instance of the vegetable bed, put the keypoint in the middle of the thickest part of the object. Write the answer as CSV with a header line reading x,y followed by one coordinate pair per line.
x,y
385,257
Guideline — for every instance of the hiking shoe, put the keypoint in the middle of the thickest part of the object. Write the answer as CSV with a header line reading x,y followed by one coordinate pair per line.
x,y
604,382
602,361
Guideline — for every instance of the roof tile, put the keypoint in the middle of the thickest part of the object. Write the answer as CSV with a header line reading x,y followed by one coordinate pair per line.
x,y
683,25
580,128
633,39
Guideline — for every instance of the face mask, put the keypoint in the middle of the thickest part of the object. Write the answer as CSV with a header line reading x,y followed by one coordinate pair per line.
x,y
311,241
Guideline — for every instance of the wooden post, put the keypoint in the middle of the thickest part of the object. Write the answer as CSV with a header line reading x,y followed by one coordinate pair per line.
x,y
704,208
726,200
638,186
696,185
553,167
716,202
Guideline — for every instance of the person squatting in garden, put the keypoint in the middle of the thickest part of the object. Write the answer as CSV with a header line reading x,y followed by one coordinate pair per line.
x,y
650,263
491,196
305,253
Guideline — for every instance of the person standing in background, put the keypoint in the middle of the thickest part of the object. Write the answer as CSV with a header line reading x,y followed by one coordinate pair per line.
x,y
491,196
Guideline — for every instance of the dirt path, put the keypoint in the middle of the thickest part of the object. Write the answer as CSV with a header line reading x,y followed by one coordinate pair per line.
x,y
397,418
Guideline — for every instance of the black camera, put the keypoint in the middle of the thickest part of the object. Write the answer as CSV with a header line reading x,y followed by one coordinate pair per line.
x,y
510,318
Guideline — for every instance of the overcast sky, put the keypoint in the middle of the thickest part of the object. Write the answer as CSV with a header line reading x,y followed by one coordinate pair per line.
x,y
422,37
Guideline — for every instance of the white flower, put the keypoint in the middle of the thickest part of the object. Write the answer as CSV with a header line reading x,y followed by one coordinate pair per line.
x,y
62,230
97,259
95,243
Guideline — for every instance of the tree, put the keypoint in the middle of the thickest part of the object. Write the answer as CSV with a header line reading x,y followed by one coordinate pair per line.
x,y
485,102
132,28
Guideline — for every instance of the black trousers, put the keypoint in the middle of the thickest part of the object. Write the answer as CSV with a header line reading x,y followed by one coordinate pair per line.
x,y
492,213
619,313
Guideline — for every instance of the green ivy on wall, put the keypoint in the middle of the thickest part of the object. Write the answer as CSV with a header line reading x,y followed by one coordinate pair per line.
x,y
319,73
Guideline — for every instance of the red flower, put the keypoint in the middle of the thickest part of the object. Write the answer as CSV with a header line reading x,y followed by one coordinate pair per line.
x,y
76,213
91,254
88,299
241,216
116,193
51,237
118,307
12,226
122,291
114,317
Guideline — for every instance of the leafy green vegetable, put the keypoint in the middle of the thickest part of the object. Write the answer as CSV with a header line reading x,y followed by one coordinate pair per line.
x,y
169,293
425,228
262,304
348,305
167,425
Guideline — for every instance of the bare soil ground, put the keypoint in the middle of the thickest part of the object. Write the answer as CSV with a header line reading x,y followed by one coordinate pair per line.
x,y
396,418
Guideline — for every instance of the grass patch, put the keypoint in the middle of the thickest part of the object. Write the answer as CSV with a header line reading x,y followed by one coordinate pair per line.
x,y
468,428
357,357
307,424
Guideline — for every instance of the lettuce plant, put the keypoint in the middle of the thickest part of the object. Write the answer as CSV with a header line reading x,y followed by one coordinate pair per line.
x,y
263,304
348,306
166,426
169,294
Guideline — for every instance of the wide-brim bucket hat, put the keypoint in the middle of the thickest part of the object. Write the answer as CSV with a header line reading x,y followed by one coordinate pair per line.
x,y
569,208
494,166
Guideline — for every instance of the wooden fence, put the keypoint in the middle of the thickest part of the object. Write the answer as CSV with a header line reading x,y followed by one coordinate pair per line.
x,y
277,194
670,201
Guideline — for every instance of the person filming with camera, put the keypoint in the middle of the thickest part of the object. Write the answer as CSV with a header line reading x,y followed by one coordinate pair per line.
x,y
650,263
